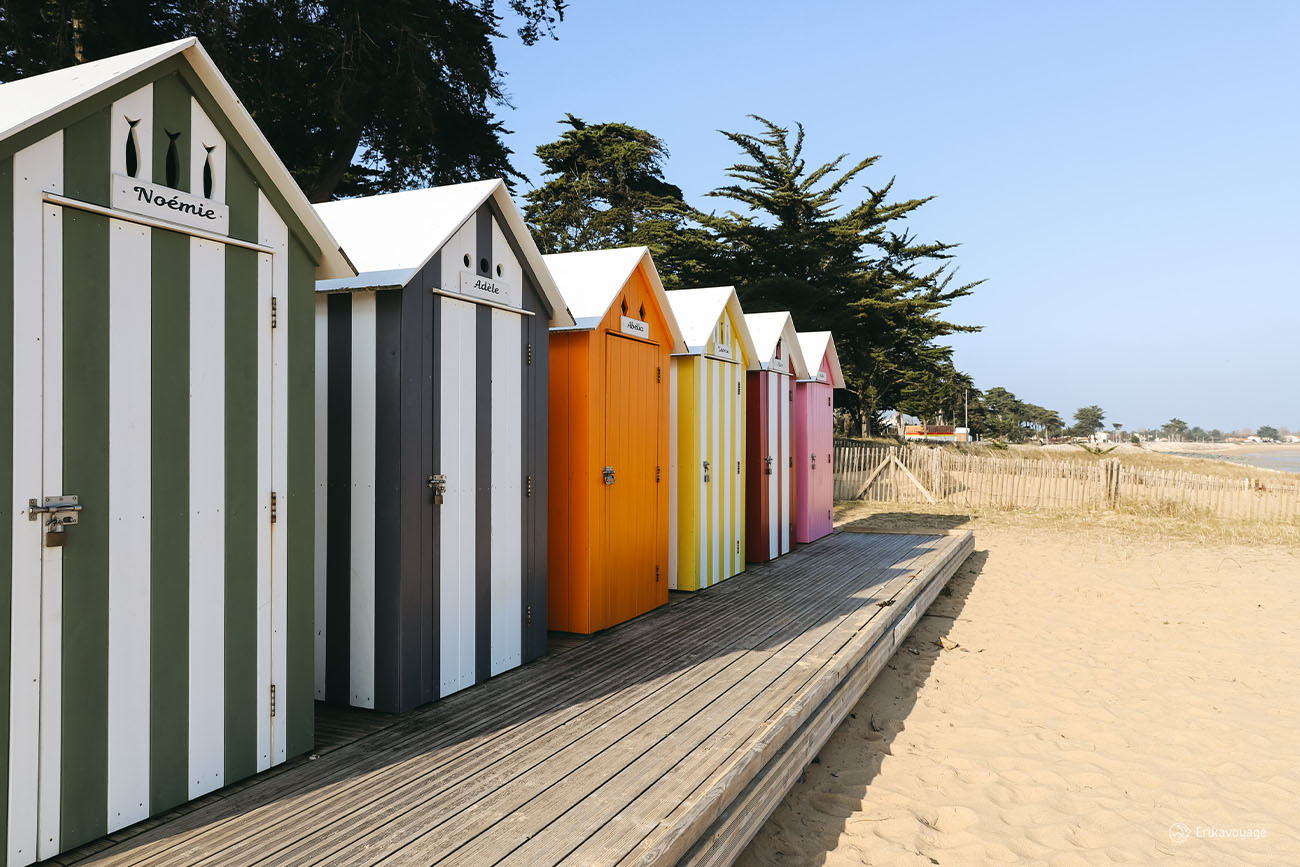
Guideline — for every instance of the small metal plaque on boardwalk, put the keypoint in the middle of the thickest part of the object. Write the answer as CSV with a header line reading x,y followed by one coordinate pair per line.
x,y
174,206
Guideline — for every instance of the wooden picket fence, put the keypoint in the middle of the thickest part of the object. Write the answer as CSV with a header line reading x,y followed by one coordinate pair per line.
x,y
930,474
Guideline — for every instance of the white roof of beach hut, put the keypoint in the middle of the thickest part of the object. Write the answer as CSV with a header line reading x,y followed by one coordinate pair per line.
x,y
698,312
29,101
391,237
815,345
591,281
769,329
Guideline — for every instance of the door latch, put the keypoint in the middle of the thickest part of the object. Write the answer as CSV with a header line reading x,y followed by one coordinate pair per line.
x,y
814,460
706,471
56,513
767,469
607,475
438,484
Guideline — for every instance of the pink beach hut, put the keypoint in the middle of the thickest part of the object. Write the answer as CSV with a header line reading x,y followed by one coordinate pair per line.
x,y
814,409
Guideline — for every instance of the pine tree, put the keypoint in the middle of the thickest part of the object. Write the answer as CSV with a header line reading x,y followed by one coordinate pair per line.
x,y
856,272
355,97
606,188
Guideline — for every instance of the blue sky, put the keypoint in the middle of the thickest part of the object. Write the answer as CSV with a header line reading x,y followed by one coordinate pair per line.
x,y
1124,175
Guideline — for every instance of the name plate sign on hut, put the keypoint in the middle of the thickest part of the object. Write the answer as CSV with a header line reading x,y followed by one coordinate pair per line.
x,y
499,291
174,206
635,327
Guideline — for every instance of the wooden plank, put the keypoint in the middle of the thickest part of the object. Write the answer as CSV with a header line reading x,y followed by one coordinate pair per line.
x,y
623,732
447,722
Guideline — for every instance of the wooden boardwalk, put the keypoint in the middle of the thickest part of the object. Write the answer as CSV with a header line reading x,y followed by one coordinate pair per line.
x,y
668,739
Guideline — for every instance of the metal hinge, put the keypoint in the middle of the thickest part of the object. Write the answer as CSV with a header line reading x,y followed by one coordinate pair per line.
x,y
275,313
737,388
656,574
530,353
737,467
272,699
659,374
530,486
656,475
737,546
792,460
529,616
273,509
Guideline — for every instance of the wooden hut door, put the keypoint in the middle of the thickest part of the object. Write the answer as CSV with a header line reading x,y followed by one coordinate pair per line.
x,y
152,437
632,405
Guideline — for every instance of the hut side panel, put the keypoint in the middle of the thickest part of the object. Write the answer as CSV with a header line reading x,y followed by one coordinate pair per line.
x,y
814,441
609,407
167,405
770,461
422,599
710,489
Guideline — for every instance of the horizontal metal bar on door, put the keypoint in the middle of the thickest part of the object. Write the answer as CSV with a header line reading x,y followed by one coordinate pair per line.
x,y
471,300
64,201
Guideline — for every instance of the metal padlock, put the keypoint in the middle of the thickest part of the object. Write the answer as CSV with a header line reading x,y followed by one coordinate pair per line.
x,y
706,471
814,460
767,470
54,534
438,484
607,475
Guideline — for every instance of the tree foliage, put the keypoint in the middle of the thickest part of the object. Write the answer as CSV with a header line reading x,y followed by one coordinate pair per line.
x,y
999,414
1266,432
606,188
1088,420
356,97
853,267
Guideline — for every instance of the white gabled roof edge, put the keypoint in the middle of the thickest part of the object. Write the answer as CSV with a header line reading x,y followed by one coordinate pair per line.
x,y
42,97
614,279
773,328
816,344
395,234
706,306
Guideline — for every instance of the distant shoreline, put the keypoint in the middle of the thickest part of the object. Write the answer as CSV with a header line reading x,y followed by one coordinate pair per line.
x,y
1223,448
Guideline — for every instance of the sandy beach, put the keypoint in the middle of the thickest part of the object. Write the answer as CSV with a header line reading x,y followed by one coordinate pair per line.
x,y
1098,694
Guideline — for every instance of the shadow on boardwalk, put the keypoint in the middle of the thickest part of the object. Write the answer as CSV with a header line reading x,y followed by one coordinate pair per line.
x,y
377,782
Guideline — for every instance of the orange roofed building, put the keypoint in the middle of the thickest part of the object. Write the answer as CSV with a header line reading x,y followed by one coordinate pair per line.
x,y
609,435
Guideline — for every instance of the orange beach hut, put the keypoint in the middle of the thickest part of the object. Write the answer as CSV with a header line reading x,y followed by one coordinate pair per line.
x,y
607,540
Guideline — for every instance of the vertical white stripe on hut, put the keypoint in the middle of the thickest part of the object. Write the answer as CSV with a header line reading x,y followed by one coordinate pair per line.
x,y
33,703
701,552
673,492
265,457
719,469
773,481
130,476
136,106
361,605
275,234
507,494
457,461
726,471
322,485
787,453
207,147
207,516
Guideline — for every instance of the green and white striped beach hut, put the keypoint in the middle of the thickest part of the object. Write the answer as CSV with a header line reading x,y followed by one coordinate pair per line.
x,y
157,275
